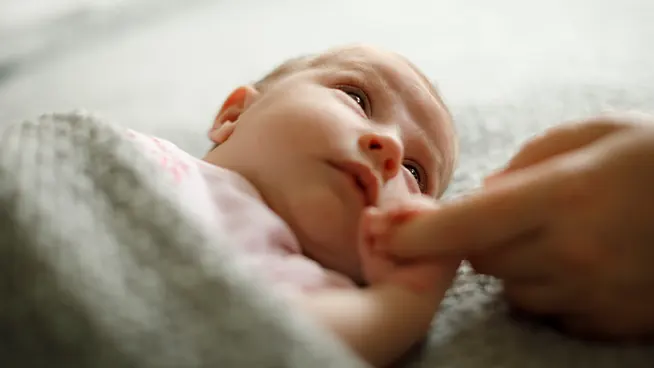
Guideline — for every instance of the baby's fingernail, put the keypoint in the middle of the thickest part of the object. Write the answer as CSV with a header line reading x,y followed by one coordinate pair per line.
x,y
378,225
402,216
371,212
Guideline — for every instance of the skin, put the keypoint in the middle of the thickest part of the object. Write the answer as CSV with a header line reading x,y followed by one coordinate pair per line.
x,y
568,226
354,104
283,140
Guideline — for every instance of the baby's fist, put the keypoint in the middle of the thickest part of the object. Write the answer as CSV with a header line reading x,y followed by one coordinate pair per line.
x,y
380,267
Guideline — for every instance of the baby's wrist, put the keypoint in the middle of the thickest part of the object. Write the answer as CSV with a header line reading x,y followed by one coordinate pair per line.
x,y
410,284
415,301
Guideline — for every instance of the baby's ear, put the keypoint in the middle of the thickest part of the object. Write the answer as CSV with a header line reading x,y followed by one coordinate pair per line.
x,y
237,102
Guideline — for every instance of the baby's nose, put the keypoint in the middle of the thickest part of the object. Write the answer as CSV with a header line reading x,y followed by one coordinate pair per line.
x,y
384,151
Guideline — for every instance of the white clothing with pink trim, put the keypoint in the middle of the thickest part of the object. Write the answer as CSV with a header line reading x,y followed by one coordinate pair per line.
x,y
262,240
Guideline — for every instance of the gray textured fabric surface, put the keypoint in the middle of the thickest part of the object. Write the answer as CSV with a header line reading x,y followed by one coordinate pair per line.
x,y
508,69
100,268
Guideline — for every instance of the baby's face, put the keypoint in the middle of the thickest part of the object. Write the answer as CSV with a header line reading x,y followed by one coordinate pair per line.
x,y
323,143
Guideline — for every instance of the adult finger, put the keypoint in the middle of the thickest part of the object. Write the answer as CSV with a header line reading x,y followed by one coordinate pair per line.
x,y
540,298
520,204
614,325
528,258
559,140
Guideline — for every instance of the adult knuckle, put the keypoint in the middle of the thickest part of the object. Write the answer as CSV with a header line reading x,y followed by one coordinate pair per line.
x,y
481,264
584,175
528,298
578,187
579,259
579,254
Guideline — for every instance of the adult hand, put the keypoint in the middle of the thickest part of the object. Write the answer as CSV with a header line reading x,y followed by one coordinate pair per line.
x,y
568,226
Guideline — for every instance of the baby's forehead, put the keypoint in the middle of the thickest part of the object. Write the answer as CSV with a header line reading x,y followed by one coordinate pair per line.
x,y
376,60
363,58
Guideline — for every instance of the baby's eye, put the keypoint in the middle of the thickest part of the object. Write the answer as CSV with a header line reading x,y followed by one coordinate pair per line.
x,y
418,174
359,97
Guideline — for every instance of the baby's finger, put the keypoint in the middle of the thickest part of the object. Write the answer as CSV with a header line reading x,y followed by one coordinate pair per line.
x,y
375,222
405,211
410,203
428,276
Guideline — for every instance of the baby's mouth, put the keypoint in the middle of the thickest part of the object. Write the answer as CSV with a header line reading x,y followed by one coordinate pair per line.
x,y
363,177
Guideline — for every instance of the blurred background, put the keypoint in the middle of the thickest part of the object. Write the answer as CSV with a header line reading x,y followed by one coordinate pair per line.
x,y
164,66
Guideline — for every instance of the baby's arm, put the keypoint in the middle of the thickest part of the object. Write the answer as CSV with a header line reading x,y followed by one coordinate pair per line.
x,y
380,323
383,321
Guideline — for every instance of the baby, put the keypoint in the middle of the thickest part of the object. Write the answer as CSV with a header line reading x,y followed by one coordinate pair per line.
x,y
310,164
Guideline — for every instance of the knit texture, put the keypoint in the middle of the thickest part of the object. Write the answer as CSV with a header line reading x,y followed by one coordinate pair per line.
x,y
101,268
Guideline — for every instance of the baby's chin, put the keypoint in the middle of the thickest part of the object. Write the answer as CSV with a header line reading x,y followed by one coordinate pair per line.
x,y
326,227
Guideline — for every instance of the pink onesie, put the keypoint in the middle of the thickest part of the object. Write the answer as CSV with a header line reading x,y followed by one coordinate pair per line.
x,y
262,240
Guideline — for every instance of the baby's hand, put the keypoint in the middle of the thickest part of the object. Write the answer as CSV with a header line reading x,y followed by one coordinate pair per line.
x,y
423,276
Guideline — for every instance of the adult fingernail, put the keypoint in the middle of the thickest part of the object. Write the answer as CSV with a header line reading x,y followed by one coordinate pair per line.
x,y
490,178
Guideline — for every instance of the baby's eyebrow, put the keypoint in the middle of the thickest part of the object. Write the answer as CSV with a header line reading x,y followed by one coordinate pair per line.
x,y
359,65
372,74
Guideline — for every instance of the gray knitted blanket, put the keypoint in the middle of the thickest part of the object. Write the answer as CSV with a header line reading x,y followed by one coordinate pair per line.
x,y
101,268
